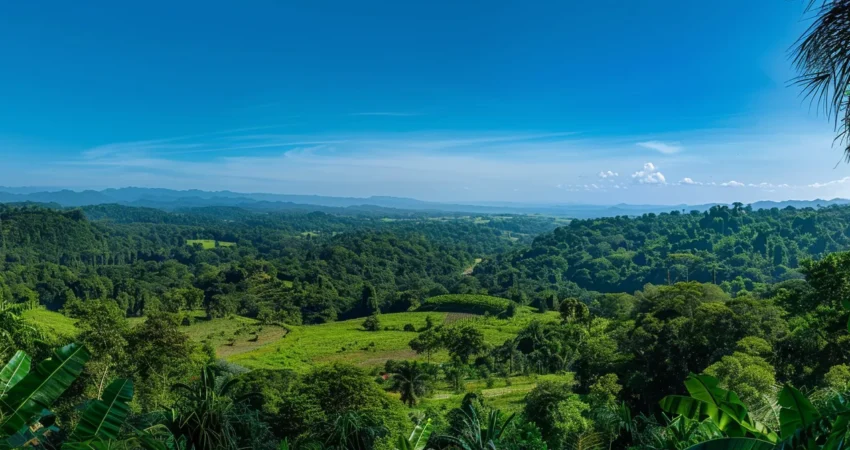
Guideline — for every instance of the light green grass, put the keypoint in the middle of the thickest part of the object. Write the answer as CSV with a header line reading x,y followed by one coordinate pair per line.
x,y
468,271
206,243
309,345
230,335
507,398
271,347
209,243
53,324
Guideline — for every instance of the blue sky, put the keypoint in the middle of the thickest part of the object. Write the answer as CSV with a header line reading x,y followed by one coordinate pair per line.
x,y
548,101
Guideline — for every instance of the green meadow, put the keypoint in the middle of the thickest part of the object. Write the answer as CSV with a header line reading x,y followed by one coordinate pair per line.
x,y
209,243
249,343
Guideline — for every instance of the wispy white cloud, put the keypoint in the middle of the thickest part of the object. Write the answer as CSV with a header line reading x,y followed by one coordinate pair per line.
x,y
666,148
550,166
830,183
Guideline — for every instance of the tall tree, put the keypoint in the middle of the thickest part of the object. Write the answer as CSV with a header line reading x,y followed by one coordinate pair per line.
x,y
410,381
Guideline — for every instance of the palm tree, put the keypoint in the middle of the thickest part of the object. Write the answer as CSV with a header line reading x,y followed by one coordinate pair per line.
x,y
822,56
411,382
477,436
354,431
206,415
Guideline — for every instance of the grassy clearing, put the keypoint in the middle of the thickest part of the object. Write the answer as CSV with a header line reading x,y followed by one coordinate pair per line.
x,y
53,324
230,335
468,271
235,335
346,341
209,243
504,396
309,345
246,342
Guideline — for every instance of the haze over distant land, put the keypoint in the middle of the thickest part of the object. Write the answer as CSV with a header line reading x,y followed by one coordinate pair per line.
x,y
168,199
409,102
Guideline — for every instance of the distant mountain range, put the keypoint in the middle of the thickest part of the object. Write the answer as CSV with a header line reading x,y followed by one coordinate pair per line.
x,y
170,200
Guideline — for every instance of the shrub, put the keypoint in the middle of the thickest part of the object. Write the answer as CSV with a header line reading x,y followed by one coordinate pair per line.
x,y
409,327
477,304
372,323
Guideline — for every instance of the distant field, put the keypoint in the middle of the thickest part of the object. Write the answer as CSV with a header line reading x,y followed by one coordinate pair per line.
x,y
468,271
230,336
209,243
308,345
501,396
53,324
244,341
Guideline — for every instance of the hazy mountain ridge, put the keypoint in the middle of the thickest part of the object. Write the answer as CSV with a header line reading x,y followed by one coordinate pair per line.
x,y
170,199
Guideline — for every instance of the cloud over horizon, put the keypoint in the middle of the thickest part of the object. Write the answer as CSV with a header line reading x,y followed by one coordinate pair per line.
x,y
440,165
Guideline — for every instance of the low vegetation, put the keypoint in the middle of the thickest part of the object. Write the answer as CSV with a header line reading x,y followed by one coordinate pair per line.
x,y
478,304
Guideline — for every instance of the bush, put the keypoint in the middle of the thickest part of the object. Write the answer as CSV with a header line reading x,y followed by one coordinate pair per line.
x,y
409,327
477,304
372,323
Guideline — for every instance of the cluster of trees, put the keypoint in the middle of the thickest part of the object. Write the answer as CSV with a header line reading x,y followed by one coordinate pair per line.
x,y
290,267
609,361
608,370
734,247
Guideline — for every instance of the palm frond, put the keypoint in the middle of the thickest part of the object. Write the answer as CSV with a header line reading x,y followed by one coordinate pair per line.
x,y
822,57
587,441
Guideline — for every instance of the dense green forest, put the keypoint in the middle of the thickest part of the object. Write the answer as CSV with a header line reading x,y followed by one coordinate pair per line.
x,y
225,328
734,247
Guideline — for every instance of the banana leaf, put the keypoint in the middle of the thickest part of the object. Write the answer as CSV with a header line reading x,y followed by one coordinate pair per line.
x,y
797,412
689,407
419,437
14,371
103,418
733,444
40,388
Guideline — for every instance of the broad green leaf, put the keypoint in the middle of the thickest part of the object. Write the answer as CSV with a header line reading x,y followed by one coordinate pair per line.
x,y
419,438
40,388
733,444
797,412
14,371
703,387
761,431
689,407
103,418
837,439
